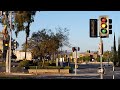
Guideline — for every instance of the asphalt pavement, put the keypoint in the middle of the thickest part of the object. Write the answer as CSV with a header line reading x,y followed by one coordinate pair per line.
x,y
84,71
87,71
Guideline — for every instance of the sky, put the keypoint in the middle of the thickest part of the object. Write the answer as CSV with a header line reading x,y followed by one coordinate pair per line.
x,y
78,24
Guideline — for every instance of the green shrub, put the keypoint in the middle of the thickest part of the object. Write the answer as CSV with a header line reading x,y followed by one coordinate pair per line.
x,y
71,69
67,67
45,67
46,64
49,67
52,64
2,64
24,63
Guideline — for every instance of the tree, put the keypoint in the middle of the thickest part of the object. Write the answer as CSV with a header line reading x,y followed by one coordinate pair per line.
x,y
86,58
107,55
45,42
98,59
23,19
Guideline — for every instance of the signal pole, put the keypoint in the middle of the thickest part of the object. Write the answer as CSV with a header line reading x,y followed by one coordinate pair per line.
x,y
76,63
7,66
10,18
101,65
105,28
75,57
113,71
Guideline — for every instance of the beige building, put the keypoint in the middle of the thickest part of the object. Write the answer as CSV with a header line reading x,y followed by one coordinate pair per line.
x,y
1,42
94,55
21,55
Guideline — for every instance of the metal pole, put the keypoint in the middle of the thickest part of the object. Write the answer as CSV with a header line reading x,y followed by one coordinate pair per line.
x,y
10,18
113,71
7,68
36,70
7,53
76,64
101,75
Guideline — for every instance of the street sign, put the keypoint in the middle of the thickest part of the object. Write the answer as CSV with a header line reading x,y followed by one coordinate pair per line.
x,y
100,48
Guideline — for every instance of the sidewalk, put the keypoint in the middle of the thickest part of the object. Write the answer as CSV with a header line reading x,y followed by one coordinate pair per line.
x,y
51,74
87,74
17,74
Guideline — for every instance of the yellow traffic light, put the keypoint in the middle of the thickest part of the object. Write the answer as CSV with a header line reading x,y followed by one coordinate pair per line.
x,y
103,25
6,44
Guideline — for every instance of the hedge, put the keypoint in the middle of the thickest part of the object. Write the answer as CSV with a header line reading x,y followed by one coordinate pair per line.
x,y
49,67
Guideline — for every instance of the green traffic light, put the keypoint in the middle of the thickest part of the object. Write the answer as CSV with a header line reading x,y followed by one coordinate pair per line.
x,y
104,31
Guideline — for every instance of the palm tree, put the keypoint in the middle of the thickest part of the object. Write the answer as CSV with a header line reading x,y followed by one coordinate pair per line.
x,y
22,18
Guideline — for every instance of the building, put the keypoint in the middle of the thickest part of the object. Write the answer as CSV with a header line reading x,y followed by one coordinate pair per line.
x,y
91,54
1,44
21,55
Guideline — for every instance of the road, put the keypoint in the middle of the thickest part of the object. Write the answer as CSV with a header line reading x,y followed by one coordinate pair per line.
x,y
86,71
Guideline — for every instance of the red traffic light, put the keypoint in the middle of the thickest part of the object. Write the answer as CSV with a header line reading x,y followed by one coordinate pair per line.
x,y
103,19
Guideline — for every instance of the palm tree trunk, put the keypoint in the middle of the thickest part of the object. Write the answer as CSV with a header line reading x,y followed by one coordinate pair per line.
x,y
25,47
27,35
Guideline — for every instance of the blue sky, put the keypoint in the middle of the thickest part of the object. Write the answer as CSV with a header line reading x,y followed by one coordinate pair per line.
x,y
78,24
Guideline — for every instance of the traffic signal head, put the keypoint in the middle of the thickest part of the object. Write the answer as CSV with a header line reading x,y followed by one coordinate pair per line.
x,y
110,26
78,48
93,28
14,45
104,26
73,49
6,44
